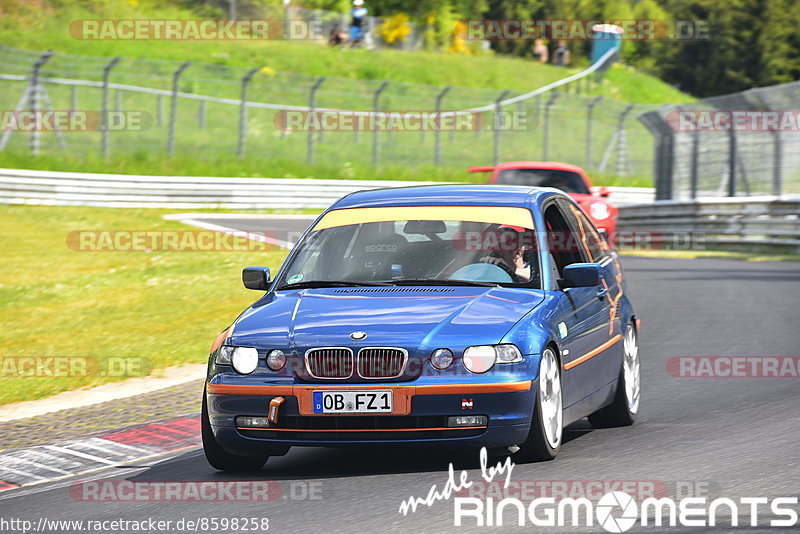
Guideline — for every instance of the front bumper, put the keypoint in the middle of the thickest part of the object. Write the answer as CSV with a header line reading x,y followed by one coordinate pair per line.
x,y
420,415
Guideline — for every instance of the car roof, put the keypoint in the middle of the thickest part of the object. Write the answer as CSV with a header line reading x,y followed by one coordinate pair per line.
x,y
554,165
448,195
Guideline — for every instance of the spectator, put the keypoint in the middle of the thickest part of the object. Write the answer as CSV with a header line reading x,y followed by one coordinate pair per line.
x,y
561,55
540,52
337,36
358,13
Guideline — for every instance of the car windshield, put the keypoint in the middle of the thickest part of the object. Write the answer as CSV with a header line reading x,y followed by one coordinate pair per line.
x,y
414,252
567,181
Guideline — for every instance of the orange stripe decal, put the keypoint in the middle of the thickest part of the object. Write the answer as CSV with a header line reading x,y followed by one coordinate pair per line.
x,y
221,338
593,353
501,387
397,297
504,300
403,392
234,389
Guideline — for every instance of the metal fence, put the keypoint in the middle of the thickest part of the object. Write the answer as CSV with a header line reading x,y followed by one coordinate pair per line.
x,y
23,186
209,112
719,160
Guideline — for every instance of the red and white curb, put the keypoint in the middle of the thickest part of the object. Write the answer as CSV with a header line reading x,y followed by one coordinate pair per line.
x,y
46,463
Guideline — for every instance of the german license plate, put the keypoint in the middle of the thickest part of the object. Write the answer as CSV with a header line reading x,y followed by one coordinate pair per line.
x,y
353,402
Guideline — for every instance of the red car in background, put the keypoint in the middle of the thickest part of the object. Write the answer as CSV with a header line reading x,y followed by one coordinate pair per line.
x,y
571,179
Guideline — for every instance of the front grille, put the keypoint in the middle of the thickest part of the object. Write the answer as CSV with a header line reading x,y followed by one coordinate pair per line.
x,y
330,362
381,362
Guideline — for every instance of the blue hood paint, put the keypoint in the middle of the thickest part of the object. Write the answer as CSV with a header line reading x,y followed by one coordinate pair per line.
x,y
465,316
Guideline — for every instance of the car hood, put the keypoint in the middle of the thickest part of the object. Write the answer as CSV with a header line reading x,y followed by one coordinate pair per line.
x,y
414,318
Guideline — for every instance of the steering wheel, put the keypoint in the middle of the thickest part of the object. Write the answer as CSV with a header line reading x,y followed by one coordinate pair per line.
x,y
482,272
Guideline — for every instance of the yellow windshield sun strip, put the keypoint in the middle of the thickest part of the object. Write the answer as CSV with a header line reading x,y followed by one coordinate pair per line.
x,y
505,215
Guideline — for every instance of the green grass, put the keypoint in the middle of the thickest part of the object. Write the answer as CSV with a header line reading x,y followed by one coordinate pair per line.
x,y
263,167
45,25
211,150
159,308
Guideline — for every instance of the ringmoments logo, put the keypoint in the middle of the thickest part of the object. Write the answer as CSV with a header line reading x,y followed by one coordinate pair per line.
x,y
614,501
617,511
614,511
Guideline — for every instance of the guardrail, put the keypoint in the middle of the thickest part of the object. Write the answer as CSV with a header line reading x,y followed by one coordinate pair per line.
x,y
735,223
725,223
193,192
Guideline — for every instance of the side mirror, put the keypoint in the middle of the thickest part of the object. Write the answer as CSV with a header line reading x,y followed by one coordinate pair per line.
x,y
256,278
580,275
603,191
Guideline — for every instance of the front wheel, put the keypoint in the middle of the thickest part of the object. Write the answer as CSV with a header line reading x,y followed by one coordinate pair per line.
x,y
625,406
216,455
547,426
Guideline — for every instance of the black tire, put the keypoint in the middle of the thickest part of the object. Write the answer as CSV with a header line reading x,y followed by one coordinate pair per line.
x,y
619,412
537,447
216,455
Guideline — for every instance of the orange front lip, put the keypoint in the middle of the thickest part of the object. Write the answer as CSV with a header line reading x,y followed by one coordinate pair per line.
x,y
431,389
269,429
402,393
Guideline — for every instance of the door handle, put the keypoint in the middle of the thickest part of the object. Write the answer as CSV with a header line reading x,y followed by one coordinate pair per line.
x,y
602,293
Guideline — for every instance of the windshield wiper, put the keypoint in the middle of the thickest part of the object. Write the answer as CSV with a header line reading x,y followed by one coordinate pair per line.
x,y
440,282
330,283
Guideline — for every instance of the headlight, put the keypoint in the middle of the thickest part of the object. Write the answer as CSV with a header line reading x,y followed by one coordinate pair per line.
x,y
243,359
276,360
481,358
224,354
508,354
442,358
599,211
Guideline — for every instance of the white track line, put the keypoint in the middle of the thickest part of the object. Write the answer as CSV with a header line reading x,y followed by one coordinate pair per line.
x,y
95,459
137,450
20,473
267,216
234,231
92,444
40,465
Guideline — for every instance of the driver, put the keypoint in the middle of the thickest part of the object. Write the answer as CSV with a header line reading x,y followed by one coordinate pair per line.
x,y
507,252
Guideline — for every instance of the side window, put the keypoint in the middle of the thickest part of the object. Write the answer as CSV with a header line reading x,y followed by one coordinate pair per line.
x,y
586,238
561,246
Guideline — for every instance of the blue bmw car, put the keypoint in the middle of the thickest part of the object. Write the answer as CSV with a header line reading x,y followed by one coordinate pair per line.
x,y
459,315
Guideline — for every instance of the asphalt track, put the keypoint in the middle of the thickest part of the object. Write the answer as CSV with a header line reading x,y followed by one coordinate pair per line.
x,y
728,437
